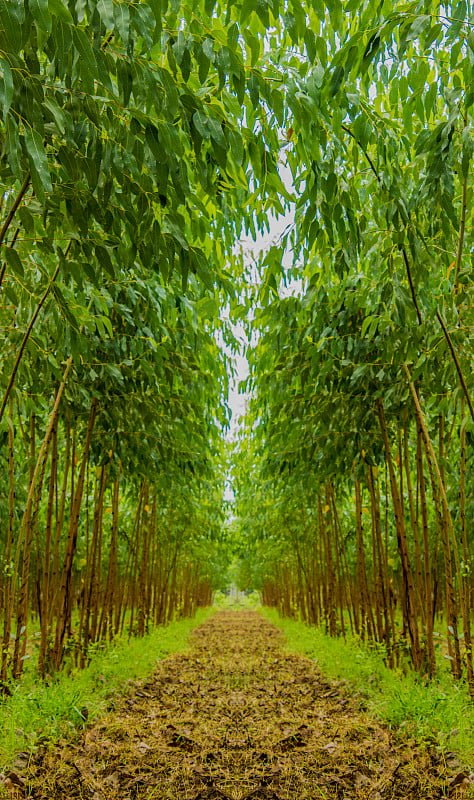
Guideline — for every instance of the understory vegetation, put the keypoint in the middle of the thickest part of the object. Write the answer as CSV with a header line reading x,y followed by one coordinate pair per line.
x,y
40,711
355,500
439,709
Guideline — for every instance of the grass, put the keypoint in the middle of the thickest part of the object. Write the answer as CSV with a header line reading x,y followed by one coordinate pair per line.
x,y
38,710
440,708
249,601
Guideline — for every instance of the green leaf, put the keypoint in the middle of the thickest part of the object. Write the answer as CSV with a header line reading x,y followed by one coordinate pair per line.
x,y
204,65
13,260
12,147
64,306
11,19
216,132
208,49
40,12
124,79
6,86
291,27
84,48
200,121
254,44
106,11
467,151
122,19
58,9
359,372
179,47
362,130
254,89
336,81
108,325
237,147
310,42
27,219
38,163
153,141
57,113
104,260
186,65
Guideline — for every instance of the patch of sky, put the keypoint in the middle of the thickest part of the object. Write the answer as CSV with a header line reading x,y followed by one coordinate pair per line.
x,y
253,250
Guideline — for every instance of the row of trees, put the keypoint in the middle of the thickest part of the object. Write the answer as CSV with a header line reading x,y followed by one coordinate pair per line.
x,y
122,153
359,438
138,141
112,491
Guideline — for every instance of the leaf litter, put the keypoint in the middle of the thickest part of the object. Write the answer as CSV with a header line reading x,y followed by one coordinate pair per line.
x,y
238,718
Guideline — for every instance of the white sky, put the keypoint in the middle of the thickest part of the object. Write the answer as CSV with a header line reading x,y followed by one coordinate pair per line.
x,y
252,250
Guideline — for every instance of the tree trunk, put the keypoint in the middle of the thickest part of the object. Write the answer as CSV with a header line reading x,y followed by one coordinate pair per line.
x,y
65,593
409,605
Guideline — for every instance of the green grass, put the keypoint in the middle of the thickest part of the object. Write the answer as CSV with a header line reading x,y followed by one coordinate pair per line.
x,y
250,602
37,710
441,708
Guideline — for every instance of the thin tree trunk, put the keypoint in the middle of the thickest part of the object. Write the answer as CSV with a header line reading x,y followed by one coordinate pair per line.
x,y
85,633
59,523
465,547
410,605
7,566
428,595
367,620
447,534
65,598
414,522
106,624
389,621
45,589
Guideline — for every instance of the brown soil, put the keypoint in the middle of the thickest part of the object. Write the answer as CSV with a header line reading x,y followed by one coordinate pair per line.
x,y
236,717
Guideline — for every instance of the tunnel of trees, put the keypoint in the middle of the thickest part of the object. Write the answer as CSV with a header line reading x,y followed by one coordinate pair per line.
x,y
141,144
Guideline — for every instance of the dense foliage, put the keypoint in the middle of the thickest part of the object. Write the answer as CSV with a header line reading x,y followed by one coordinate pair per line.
x,y
121,163
139,142
358,452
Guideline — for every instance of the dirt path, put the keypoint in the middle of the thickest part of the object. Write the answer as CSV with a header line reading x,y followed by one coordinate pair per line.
x,y
236,717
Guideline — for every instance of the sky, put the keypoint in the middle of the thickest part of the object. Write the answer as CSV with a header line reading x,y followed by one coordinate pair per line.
x,y
252,249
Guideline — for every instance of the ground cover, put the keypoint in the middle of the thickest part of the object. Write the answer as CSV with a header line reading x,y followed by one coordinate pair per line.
x,y
238,718
45,709
438,708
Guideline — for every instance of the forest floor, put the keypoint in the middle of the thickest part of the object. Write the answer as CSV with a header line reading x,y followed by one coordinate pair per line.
x,y
237,718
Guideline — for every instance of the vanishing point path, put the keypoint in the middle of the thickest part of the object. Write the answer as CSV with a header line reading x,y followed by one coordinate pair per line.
x,y
237,718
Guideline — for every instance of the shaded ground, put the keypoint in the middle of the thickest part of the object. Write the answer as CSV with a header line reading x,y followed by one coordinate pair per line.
x,y
236,718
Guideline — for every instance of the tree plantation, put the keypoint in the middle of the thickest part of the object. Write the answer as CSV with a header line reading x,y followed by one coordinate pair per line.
x,y
143,145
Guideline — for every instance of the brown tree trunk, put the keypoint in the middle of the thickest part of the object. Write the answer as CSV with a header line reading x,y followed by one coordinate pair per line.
x,y
330,609
409,605
107,618
65,593
90,582
428,594
465,550
366,618
447,532
414,522
7,586
382,569
351,607
45,589
59,521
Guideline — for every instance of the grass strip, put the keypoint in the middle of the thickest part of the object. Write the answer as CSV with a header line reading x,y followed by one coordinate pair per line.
x,y
38,709
440,708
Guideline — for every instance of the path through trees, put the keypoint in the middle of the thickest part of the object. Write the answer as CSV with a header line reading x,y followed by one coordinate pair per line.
x,y
238,718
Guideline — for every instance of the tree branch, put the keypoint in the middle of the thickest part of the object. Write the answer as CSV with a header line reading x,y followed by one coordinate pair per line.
x,y
458,366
